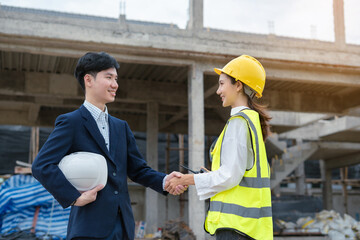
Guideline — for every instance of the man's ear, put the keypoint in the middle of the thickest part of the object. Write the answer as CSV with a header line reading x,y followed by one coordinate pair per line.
x,y
88,80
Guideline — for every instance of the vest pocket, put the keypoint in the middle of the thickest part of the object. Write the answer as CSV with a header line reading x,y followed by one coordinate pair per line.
x,y
213,217
214,212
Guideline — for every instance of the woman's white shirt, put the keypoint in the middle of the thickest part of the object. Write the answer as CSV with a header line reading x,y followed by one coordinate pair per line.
x,y
236,156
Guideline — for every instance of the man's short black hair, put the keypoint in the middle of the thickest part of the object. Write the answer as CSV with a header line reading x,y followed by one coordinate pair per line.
x,y
92,63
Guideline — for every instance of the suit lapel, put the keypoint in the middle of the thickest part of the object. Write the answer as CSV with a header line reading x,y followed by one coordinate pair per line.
x,y
113,129
93,129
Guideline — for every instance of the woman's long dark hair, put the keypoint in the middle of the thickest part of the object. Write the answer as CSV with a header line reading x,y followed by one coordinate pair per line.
x,y
263,114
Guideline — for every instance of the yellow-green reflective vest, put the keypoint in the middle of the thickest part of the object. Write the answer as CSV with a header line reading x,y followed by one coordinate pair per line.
x,y
246,207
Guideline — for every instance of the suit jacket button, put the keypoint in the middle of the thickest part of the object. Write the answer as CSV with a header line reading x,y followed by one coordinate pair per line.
x,y
114,174
116,192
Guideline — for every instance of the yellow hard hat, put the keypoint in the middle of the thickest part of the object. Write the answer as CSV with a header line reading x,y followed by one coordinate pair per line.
x,y
247,70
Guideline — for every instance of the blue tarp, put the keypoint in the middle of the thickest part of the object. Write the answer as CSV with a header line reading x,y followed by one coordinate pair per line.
x,y
19,197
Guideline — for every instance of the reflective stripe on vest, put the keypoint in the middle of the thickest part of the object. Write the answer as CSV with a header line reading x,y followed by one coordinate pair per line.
x,y
254,182
240,210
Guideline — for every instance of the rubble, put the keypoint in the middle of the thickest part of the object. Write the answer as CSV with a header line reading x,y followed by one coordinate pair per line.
x,y
326,222
175,230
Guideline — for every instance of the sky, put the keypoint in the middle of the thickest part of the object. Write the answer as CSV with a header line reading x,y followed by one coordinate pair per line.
x,y
309,19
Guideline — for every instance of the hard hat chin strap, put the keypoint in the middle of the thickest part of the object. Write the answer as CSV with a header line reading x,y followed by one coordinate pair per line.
x,y
248,91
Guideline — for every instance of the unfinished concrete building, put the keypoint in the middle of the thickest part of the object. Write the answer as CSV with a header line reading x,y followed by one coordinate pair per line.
x,y
167,84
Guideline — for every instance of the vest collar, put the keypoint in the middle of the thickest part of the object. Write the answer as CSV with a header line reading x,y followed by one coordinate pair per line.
x,y
235,110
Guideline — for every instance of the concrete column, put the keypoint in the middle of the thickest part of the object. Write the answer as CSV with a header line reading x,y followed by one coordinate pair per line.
x,y
300,179
34,143
339,22
326,185
122,15
152,197
196,145
196,15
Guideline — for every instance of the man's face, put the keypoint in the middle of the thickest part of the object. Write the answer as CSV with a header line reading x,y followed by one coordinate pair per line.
x,y
103,87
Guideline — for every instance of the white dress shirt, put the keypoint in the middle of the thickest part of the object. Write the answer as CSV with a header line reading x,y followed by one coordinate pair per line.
x,y
236,156
101,119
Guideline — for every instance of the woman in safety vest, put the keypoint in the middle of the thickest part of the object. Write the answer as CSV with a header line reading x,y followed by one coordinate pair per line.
x,y
239,184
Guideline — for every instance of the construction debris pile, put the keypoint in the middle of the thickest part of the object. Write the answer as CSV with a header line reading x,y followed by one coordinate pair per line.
x,y
326,222
176,229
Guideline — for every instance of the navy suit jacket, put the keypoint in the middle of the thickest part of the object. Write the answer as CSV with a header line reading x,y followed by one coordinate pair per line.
x,y
77,131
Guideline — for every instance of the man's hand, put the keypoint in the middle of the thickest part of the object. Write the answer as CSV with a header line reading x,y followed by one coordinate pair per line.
x,y
88,196
174,185
179,189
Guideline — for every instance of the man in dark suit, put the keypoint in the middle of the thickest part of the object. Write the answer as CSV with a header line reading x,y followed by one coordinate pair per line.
x,y
103,212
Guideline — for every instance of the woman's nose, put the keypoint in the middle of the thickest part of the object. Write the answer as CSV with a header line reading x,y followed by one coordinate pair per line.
x,y
114,84
218,92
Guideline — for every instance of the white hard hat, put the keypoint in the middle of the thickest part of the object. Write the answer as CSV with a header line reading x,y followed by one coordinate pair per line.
x,y
84,170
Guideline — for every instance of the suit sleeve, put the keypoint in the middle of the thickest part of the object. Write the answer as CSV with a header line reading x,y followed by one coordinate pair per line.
x,y
45,167
137,169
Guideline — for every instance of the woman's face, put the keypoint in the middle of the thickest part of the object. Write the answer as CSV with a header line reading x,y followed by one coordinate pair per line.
x,y
227,91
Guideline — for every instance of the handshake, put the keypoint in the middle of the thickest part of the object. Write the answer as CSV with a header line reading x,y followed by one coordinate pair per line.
x,y
175,183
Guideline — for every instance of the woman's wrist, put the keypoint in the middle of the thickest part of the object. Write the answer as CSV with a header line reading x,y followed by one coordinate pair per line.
x,y
188,179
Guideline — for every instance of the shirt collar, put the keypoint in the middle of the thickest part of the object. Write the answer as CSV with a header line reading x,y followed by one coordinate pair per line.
x,y
235,110
95,111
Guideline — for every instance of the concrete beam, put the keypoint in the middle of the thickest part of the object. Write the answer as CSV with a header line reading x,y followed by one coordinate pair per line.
x,y
339,145
323,128
196,145
294,119
343,161
149,38
341,124
310,74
